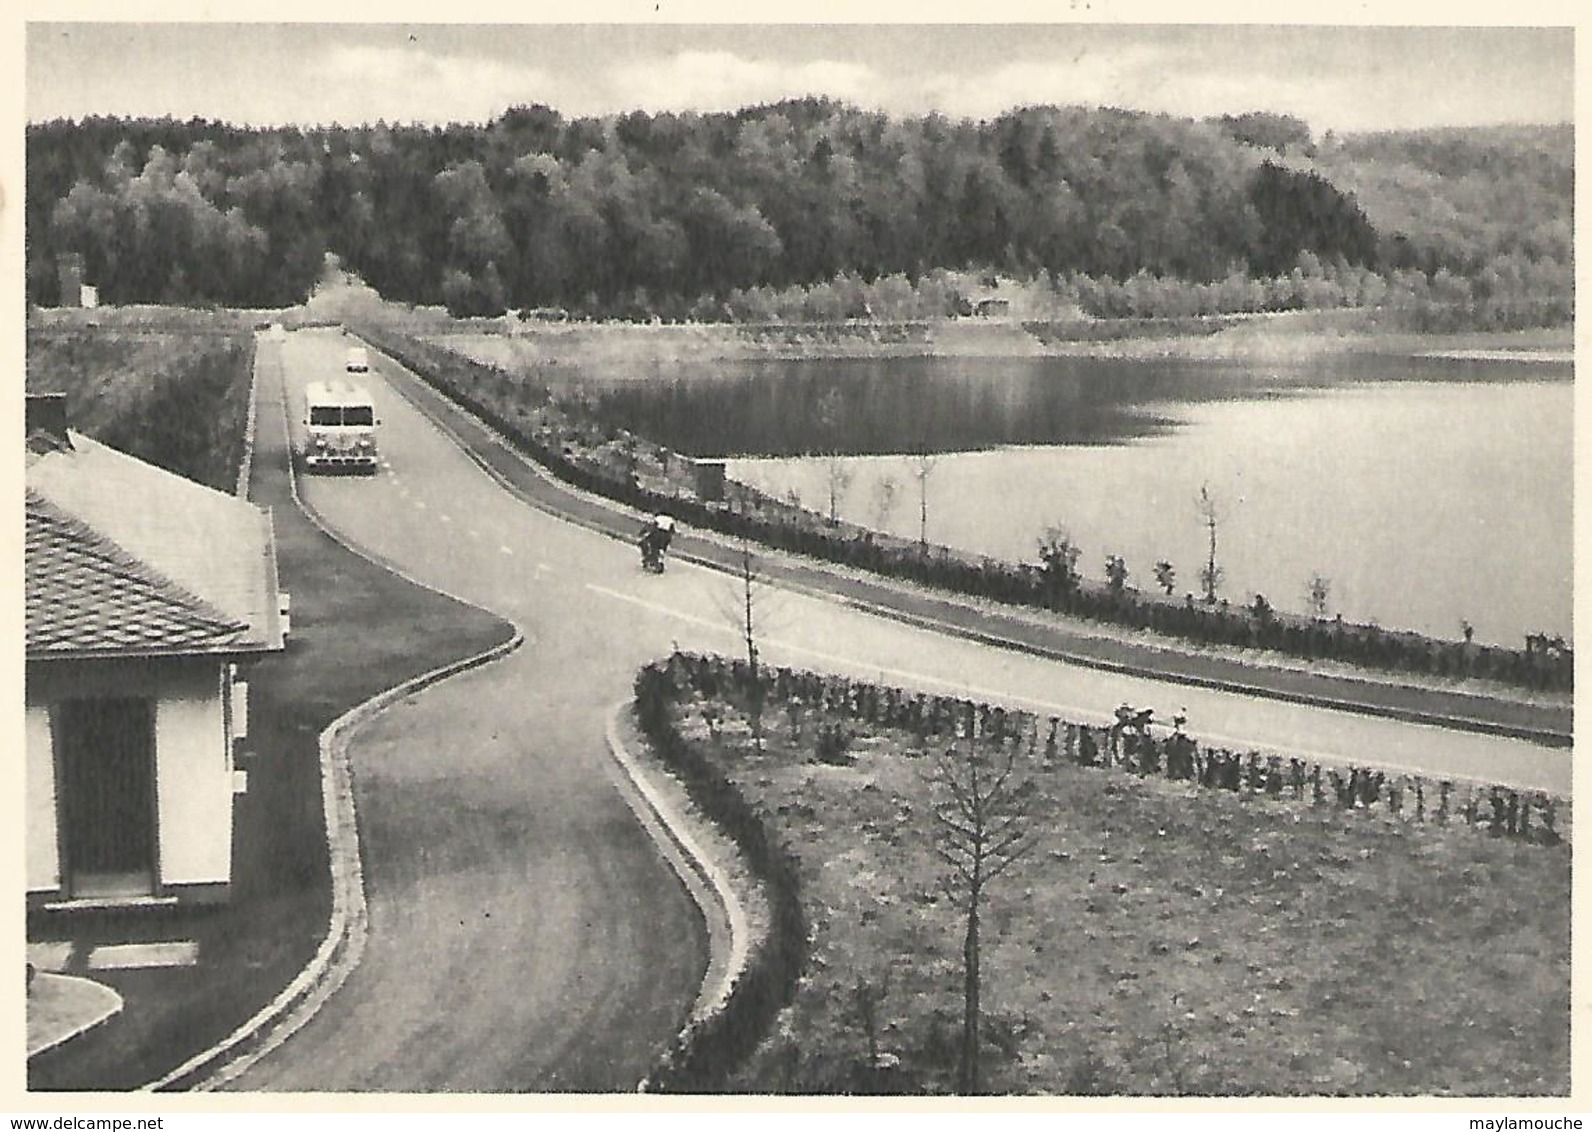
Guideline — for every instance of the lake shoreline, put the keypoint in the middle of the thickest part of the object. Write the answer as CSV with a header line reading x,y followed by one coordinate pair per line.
x,y
588,454
639,349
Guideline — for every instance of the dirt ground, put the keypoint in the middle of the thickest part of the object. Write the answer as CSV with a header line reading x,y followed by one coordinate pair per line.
x,y
1160,939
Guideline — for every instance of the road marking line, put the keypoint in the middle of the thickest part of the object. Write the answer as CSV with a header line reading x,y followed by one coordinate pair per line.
x,y
833,658
124,956
420,503
505,549
1078,713
445,517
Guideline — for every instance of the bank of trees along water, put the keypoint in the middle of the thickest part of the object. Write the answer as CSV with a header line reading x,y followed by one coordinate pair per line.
x,y
700,215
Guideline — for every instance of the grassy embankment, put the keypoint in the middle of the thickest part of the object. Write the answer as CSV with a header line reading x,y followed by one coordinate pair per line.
x,y
169,386
1161,939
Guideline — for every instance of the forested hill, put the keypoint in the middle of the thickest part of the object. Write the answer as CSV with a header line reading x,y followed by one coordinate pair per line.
x,y
669,214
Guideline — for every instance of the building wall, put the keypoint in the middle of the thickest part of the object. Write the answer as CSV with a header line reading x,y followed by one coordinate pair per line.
x,y
193,761
43,851
194,785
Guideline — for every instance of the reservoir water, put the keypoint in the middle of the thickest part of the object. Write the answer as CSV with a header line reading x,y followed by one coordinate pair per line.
x,y
1427,492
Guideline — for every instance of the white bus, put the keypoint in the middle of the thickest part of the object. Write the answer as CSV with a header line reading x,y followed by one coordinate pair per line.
x,y
357,360
339,427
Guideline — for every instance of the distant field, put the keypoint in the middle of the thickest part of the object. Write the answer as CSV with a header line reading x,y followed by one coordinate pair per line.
x,y
165,384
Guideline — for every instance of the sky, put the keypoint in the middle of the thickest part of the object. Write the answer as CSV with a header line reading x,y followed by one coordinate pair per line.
x,y
1338,78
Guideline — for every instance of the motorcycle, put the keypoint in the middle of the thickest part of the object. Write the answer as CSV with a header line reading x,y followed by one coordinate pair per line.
x,y
651,555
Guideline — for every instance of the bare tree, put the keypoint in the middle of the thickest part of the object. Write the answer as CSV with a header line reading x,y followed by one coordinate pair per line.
x,y
922,465
983,812
1210,512
838,475
743,607
885,494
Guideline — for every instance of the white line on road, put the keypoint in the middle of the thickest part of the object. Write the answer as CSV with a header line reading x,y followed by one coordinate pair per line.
x,y
446,518
899,673
505,549
420,503
1077,712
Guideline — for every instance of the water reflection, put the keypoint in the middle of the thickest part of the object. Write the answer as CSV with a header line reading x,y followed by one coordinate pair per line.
x,y
878,406
1430,491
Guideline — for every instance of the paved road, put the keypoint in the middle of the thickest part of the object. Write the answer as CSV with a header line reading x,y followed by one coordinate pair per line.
x,y
523,936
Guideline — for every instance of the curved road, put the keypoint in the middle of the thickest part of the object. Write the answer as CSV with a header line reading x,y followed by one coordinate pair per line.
x,y
523,934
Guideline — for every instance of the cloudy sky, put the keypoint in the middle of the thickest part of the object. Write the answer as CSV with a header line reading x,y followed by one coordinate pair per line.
x,y
1342,78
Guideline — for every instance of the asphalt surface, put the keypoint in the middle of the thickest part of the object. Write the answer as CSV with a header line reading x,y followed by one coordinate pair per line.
x,y
524,935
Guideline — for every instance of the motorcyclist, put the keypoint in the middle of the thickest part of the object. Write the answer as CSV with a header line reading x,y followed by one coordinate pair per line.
x,y
664,524
655,538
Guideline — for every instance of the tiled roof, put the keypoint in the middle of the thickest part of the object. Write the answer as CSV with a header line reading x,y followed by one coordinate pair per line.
x,y
201,550
86,594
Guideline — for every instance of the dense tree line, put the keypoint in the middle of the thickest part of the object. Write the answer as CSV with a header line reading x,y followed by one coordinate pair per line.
x,y
1476,221
672,213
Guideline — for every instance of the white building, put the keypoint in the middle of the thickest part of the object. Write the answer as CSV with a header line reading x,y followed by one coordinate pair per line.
x,y
145,593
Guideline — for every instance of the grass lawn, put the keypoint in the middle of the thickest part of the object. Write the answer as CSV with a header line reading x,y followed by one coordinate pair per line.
x,y
1160,939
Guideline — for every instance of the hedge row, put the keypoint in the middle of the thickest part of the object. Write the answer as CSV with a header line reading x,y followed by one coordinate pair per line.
x,y
703,1055
1129,745
493,394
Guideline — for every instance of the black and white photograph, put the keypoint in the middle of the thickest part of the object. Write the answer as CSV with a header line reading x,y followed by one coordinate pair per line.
x,y
952,554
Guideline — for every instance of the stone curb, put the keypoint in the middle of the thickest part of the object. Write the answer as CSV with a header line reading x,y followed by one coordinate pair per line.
x,y
340,950
710,880
727,928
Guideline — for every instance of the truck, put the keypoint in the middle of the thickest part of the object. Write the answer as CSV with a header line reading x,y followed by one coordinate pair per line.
x,y
339,427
